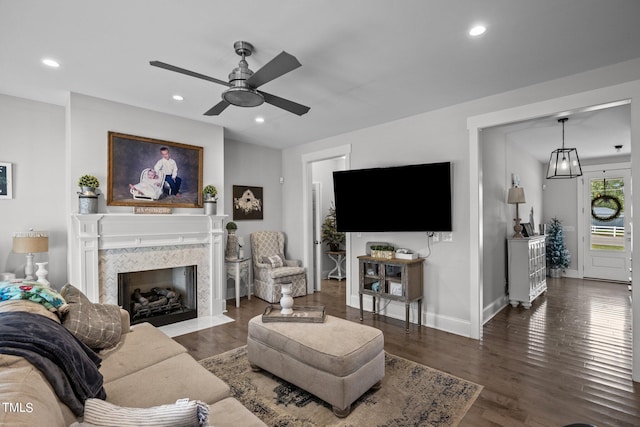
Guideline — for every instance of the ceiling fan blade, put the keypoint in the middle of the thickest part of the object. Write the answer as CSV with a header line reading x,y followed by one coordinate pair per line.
x,y
217,109
187,72
285,104
281,64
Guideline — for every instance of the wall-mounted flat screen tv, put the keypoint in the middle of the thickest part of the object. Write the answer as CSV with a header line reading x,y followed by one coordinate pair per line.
x,y
401,198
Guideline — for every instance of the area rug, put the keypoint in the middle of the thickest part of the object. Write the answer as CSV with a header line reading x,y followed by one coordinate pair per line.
x,y
411,395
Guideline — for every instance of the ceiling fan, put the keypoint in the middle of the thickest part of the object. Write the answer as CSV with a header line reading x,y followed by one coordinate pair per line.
x,y
243,83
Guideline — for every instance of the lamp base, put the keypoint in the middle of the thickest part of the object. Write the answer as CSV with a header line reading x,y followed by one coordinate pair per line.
x,y
28,269
517,229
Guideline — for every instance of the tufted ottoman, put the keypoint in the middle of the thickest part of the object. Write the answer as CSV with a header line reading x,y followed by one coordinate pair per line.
x,y
337,360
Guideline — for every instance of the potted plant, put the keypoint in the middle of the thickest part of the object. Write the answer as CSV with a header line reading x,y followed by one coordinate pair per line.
x,y
330,235
383,251
88,185
231,251
210,194
88,196
558,257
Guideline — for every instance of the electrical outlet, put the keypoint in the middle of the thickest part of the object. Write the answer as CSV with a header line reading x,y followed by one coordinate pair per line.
x,y
447,237
436,237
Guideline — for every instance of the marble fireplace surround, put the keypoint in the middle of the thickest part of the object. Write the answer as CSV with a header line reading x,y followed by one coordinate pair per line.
x,y
104,245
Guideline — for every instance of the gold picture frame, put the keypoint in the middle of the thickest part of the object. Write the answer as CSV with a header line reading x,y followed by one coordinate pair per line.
x,y
136,172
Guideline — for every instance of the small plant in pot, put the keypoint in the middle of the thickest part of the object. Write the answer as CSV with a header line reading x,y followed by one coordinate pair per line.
x,y
383,251
330,235
210,194
88,185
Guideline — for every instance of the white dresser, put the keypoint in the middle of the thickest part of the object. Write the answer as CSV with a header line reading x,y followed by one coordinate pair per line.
x,y
527,263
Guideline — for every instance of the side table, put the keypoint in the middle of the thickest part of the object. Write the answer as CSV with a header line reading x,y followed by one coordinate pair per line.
x,y
338,258
237,269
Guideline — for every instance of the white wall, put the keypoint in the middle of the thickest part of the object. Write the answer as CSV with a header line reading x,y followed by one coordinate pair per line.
x,y
439,135
32,138
500,160
88,121
254,165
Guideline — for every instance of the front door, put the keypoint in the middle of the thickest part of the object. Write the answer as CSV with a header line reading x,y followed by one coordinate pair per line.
x,y
608,236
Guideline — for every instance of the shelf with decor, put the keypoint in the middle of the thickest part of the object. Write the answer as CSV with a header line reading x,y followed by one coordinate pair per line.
x,y
392,279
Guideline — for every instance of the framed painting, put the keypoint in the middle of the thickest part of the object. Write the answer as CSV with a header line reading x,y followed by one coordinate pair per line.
x,y
150,172
6,181
247,203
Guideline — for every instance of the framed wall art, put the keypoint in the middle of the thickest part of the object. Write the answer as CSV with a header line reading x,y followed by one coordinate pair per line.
x,y
247,203
150,172
6,181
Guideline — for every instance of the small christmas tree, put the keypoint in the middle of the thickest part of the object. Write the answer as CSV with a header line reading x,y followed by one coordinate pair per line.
x,y
557,254
330,235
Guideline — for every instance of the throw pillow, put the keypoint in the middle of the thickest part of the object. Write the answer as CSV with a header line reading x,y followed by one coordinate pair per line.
x,y
96,325
184,413
275,261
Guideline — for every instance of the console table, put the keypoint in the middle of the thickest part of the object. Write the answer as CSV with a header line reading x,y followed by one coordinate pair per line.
x,y
527,269
237,269
394,279
338,258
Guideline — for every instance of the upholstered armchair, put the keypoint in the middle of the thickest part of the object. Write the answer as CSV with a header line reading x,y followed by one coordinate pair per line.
x,y
271,269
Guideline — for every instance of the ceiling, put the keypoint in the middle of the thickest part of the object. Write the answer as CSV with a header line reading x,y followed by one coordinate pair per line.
x,y
594,133
364,62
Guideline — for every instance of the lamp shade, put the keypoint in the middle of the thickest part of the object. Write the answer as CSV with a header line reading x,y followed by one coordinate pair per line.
x,y
516,195
29,242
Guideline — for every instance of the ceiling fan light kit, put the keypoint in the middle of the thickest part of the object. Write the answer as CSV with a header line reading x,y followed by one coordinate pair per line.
x,y
243,83
564,163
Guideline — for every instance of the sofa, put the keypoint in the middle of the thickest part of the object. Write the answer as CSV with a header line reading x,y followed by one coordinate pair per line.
x,y
145,369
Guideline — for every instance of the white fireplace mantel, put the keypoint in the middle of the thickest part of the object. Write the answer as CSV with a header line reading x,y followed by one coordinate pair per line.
x,y
98,232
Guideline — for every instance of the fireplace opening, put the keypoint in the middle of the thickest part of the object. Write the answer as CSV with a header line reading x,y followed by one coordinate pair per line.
x,y
161,296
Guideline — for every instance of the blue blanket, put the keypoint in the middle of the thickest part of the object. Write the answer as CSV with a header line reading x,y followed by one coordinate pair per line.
x,y
70,366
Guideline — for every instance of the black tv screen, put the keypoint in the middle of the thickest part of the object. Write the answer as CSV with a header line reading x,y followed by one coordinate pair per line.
x,y
402,198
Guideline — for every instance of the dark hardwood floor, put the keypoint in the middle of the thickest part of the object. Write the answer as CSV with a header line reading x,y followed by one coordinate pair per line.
x,y
566,360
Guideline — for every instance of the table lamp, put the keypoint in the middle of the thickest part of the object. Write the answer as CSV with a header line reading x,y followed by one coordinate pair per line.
x,y
30,242
515,197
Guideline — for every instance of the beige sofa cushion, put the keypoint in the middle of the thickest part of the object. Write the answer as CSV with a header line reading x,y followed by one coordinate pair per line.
x,y
316,345
165,382
230,413
22,384
142,347
28,307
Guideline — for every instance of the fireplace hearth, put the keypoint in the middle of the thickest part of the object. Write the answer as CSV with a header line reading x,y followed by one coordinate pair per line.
x,y
160,296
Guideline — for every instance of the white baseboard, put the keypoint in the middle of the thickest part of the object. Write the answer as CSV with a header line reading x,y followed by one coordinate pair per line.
x,y
396,310
494,308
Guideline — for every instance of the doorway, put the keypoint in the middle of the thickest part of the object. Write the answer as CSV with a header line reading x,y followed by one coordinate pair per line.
x,y
322,203
606,245
314,269
598,98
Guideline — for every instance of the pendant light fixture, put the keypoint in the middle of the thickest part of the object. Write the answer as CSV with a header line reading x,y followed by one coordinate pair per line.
x,y
564,162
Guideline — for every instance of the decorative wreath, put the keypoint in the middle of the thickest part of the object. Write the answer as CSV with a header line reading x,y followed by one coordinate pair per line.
x,y
605,198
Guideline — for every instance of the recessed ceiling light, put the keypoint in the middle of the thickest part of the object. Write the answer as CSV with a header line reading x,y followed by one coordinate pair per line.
x,y
259,119
50,62
477,30
178,98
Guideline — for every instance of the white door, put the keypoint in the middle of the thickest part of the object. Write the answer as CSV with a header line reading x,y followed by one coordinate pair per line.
x,y
607,246
317,235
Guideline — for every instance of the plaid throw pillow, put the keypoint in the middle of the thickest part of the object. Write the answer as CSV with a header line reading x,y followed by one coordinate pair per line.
x,y
96,325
